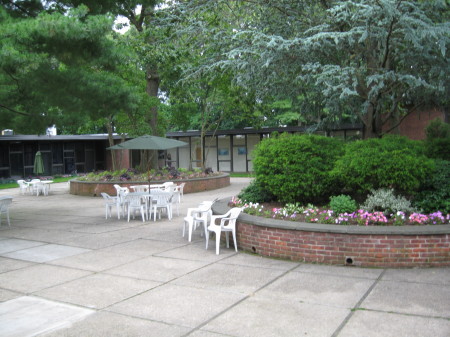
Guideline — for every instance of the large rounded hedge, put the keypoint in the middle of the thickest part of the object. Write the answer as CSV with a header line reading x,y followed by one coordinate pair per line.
x,y
297,167
389,162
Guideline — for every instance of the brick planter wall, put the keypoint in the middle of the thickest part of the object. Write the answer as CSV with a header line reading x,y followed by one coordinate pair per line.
x,y
404,246
94,189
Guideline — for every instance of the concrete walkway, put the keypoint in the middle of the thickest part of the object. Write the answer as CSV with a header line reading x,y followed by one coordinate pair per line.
x,y
65,270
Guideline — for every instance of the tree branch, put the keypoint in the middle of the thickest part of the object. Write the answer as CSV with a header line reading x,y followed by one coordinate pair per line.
x,y
15,111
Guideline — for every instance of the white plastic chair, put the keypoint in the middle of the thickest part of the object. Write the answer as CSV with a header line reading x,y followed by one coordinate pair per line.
x,y
139,188
121,203
180,191
39,187
110,202
5,202
227,224
134,202
161,200
196,217
24,188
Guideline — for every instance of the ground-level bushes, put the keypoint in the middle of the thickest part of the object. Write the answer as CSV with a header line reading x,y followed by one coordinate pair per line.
x,y
297,167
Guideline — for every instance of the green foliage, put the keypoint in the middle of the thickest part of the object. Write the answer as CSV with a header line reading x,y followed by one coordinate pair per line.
x,y
384,200
367,59
297,167
255,193
390,162
435,192
438,139
343,204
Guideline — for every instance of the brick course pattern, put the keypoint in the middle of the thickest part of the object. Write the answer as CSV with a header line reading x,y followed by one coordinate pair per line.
x,y
371,250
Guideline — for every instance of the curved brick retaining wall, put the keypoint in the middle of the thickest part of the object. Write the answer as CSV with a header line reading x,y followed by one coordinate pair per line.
x,y
403,246
88,188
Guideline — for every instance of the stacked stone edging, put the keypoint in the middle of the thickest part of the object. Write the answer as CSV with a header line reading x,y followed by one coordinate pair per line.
x,y
94,189
371,246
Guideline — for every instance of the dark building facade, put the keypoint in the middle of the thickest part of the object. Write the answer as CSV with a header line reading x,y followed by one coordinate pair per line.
x,y
61,154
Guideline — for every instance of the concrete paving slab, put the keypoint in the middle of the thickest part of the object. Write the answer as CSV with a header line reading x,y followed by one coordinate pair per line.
x,y
417,275
167,235
201,333
318,289
250,260
6,295
43,235
97,291
97,260
38,277
142,247
410,298
11,264
159,269
195,251
107,324
342,271
45,253
261,316
229,278
29,316
173,304
375,324
102,240
12,245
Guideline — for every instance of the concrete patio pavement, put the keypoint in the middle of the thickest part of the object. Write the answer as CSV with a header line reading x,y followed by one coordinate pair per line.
x,y
65,270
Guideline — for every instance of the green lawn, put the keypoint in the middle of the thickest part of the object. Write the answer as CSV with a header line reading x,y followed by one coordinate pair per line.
x,y
15,185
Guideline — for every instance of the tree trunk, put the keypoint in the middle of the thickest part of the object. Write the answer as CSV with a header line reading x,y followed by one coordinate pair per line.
x,y
109,127
152,88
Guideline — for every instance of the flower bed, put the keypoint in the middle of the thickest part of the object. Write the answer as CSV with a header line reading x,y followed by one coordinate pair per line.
x,y
361,217
192,185
365,246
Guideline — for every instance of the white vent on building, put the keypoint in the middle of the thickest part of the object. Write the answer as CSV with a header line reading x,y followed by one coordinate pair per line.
x,y
51,130
7,132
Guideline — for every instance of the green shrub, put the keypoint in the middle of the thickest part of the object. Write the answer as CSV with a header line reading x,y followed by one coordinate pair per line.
x,y
435,192
297,167
384,200
390,162
343,204
437,142
255,193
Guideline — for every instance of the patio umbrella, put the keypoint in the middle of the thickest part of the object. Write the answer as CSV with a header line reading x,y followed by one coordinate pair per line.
x,y
148,143
38,163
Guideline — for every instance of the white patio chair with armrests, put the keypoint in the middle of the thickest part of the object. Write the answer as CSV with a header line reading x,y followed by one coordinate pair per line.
x,y
161,200
24,188
139,188
134,203
110,202
196,217
38,188
5,202
227,224
121,203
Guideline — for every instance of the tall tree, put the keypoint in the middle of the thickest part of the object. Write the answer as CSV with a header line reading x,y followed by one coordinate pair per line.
x,y
366,59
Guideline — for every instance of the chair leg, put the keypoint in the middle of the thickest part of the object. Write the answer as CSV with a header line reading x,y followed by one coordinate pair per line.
x,y
234,239
217,242
143,214
227,239
207,239
7,217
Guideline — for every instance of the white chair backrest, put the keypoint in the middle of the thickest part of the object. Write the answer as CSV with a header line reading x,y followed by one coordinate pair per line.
x,y
5,202
231,216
